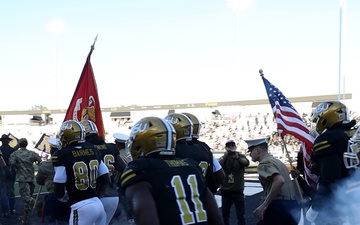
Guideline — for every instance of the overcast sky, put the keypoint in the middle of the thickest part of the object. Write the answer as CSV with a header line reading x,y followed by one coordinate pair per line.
x,y
163,52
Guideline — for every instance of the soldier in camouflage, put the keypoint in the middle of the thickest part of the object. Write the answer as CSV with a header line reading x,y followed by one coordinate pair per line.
x,y
54,211
22,162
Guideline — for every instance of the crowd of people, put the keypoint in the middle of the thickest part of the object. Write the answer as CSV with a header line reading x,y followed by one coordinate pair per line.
x,y
217,131
164,171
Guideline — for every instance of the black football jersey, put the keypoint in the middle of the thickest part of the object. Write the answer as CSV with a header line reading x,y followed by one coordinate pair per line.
x,y
178,188
81,164
109,156
108,152
328,151
204,158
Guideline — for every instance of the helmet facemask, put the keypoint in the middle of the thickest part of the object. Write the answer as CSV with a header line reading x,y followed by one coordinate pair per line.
x,y
351,157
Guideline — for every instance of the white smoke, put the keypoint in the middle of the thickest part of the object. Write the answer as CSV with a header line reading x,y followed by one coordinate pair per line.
x,y
347,199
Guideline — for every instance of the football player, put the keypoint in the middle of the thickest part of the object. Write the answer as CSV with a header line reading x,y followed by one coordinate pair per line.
x,y
164,189
111,157
217,170
186,148
332,123
79,168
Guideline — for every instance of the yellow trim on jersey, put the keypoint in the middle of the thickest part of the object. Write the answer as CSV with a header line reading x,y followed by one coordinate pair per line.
x,y
321,145
127,175
54,159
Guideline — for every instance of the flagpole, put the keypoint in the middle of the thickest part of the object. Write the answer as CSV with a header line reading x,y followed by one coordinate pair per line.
x,y
291,165
301,222
261,72
92,47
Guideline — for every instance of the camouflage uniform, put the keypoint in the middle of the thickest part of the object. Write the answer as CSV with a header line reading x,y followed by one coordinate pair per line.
x,y
54,211
22,161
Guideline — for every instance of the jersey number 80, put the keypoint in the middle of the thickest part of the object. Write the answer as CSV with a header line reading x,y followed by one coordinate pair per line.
x,y
85,175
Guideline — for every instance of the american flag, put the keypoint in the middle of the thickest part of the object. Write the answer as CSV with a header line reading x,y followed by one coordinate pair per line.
x,y
289,122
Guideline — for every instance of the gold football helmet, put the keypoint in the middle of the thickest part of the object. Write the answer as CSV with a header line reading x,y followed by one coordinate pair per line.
x,y
70,131
90,127
182,124
196,124
326,114
151,135
351,157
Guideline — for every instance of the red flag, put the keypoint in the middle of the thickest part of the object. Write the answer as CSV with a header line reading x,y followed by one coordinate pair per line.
x,y
85,101
289,122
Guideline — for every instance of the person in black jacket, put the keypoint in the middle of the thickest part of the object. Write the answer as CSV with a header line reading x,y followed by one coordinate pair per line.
x,y
8,186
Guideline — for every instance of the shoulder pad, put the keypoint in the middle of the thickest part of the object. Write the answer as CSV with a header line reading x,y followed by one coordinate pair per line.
x,y
134,172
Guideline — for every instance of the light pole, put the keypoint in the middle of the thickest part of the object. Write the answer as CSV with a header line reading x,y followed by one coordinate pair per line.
x,y
238,6
55,28
342,49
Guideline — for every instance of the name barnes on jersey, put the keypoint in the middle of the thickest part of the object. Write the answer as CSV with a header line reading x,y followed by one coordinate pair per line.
x,y
82,152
